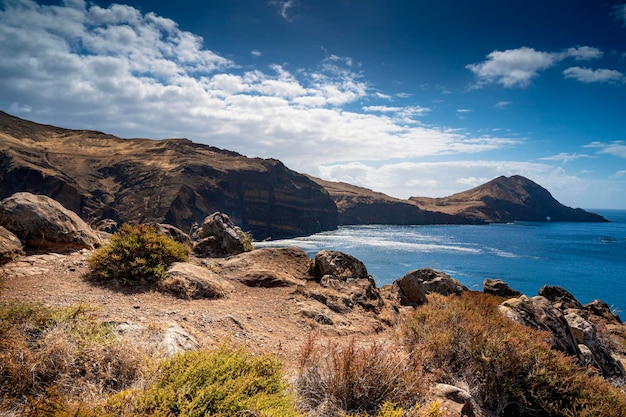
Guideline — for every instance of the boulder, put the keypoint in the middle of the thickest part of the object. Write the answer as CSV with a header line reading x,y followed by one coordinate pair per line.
x,y
10,246
539,313
412,288
218,237
602,309
187,280
338,264
560,297
177,340
173,233
499,288
453,400
42,223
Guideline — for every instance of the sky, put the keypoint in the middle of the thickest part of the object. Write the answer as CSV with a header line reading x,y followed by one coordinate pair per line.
x,y
409,98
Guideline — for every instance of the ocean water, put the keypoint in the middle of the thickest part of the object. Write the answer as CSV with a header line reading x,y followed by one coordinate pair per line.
x,y
524,254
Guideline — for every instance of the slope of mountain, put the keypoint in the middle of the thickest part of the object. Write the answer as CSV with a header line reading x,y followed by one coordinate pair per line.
x,y
174,181
506,199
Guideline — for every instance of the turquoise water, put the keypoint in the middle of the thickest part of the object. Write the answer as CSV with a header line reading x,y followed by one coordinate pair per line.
x,y
526,255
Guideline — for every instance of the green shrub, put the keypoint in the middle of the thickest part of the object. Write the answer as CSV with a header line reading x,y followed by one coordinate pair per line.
x,y
354,379
227,382
508,367
136,254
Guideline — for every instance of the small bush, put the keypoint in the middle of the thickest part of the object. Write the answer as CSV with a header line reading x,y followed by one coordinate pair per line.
x,y
508,367
227,382
353,379
136,254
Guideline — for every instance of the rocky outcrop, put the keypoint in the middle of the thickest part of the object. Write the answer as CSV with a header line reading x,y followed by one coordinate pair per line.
x,y
173,181
186,280
499,288
412,288
601,309
42,223
10,246
560,297
218,237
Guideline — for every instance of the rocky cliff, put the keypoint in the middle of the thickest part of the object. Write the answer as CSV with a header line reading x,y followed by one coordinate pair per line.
x,y
100,176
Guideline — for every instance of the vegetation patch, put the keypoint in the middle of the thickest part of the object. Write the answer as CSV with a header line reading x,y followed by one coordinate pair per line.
x,y
136,254
509,368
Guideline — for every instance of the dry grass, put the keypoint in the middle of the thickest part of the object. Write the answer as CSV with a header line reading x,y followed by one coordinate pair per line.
x,y
509,368
335,380
51,357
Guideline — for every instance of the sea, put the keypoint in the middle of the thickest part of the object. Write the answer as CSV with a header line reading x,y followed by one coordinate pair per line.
x,y
587,259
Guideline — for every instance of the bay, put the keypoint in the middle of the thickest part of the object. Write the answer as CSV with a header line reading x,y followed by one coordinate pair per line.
x,y
527,255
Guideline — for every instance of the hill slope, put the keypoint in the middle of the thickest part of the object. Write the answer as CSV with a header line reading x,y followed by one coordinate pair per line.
x,y
174,181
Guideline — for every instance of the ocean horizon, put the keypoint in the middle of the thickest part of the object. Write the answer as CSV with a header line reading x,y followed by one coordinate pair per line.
x,y
587,259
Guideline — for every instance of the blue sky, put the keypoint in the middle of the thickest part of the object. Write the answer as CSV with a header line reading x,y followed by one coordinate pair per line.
x,y
411,98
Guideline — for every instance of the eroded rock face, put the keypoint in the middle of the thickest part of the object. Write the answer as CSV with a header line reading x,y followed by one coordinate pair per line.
x,y
412,288
218,237
42,223
499,288
602,309
560,297
10,246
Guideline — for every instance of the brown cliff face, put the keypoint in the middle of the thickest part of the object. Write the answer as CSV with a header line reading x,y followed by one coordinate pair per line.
x,y
175,181
507,199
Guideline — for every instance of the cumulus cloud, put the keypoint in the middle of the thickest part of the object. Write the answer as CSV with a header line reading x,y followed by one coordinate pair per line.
x,y
615,148
588,75
518,67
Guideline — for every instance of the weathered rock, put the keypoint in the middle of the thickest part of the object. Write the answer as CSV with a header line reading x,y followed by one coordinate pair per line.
x,y
173,233
453,400
412,288
539,313
320,313
267,267
560,297
218,237
499,288
344,282
176,340
10,246
187,280
42,223
602,309
106,225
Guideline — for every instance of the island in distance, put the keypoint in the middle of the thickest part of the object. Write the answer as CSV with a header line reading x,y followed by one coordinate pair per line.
x,y
102,177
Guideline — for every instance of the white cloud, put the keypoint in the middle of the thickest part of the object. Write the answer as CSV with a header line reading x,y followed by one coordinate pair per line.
x,y
564,157
615,148
285,8
502,105
256,53
588,75
518,67
619,12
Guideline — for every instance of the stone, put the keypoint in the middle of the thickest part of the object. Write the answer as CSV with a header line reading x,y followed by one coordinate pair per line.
x,y
187,280
10,246
539,313
219,237
499,288
173,233
42,223
338,264
560,297
453,400
412,288
602,309
177,340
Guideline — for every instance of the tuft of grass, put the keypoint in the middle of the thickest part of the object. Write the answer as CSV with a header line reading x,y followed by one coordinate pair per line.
x,y
136,254
353,379
509,368
50,357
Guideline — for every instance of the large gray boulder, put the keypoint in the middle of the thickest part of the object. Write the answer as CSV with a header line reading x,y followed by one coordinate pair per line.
x,y
10,246
219,237
42,223
187,280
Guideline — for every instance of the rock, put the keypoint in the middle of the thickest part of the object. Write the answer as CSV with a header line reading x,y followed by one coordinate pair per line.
x,y
338,264
539,313
319,313
218,237
106,225
412,288
173,233
267,267
10,246
453,401
176,340
560,297
187,280
42,223
602,309
499,288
